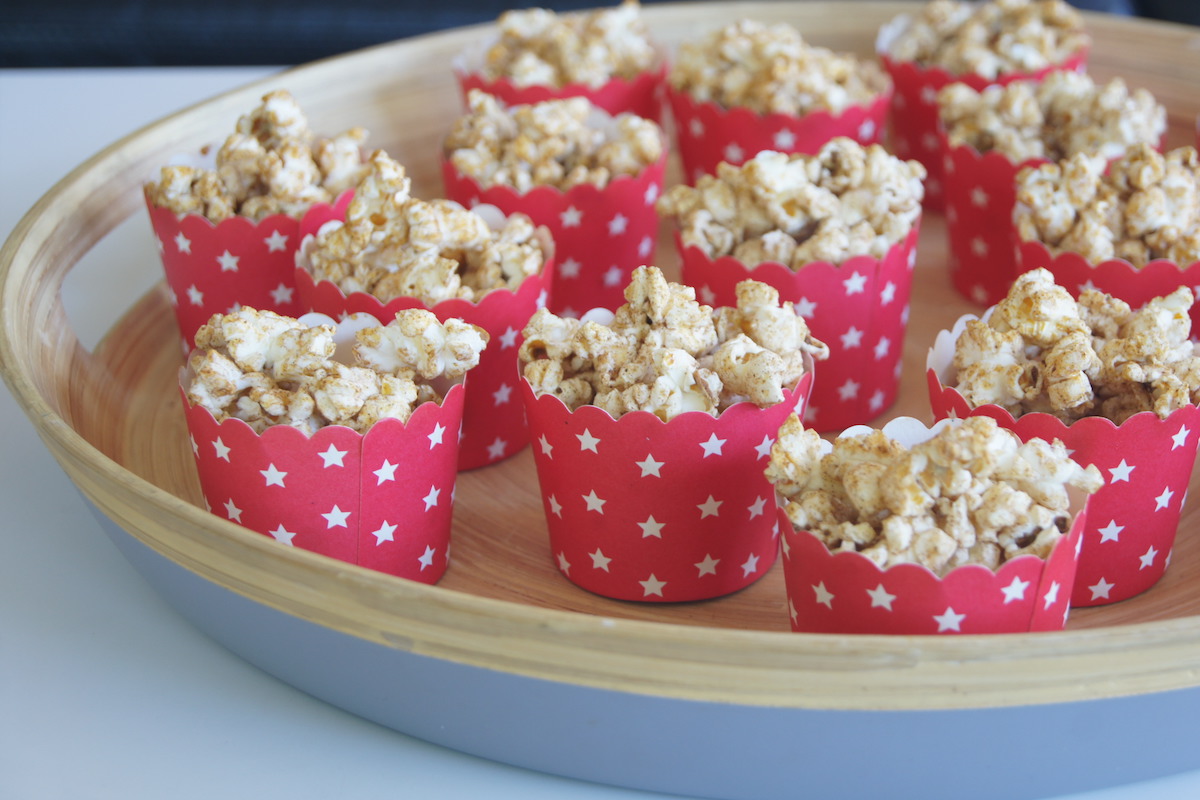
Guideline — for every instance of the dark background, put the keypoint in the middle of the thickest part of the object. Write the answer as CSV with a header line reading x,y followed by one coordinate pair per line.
x,y
75,33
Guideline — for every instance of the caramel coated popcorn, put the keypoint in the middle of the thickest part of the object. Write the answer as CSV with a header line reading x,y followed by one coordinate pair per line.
x,y
393,245
971,494
991,38
538,47
1065,114
267,369
1145,206
665,353
1041,350
769,69
552,143
272,164
846,200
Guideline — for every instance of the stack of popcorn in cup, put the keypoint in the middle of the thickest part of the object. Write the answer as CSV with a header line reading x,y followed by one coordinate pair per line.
x,y
1118,386
990,136
227,233
590,178
606,56
979,44
835,233
651,428
341,440
750,87
393,251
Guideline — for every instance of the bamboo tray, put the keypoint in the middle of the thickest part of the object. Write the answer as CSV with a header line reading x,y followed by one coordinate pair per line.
x,y
715,698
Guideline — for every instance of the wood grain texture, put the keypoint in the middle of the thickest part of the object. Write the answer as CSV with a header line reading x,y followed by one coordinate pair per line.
x,y
113,420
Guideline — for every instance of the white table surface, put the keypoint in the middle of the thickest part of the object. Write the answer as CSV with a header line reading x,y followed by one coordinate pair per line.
x,y
104,690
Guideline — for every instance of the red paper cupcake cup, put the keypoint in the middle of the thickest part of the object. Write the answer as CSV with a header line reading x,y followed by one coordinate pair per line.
x,y
381,500
859,308
212,269
653,511
914,108
600,235
707,134
846,592
641,94
1146,463
1117,277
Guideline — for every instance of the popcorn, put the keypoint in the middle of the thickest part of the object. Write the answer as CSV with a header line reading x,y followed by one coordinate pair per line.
x,y
393,245
973,493
271,164
1146,207
538,47
1040,350
991,38
844,201
267,369
548,144
1065,114
771,69
665,353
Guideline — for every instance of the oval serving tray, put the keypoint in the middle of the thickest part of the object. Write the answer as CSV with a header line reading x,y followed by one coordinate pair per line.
x,y
712,699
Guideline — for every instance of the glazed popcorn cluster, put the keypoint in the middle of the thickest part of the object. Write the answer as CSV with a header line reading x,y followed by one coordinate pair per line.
x,y
538,47
1065,114
393,245
272,164
665,353
552,143
991,38
1040,350
267,369
1143,206
844,201
771,69
971,494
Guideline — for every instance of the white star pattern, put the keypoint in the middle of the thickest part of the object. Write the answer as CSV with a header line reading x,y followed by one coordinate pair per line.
x,y
888,294
713,446
876,401
757,508
571,217
928,95
852,338
282,534
881,348
785,139
502,395
282,294
651,194
587,441
613,276
881,597
866,130
708,566
645,246
1110,532
1121,472
651,528
948,620
979,294
1147,558
386,472
599,560
805,307
708,296
1180,438
1164,499
792,612
564,566
930,141
195,296
763,448
1101,589
617,225
273,476
734,154
431,499
228,262
594,503
979,247
182,243
232,511
222,450
435,438
384,533
824,596
979,197
649,466
333,457
1015,590
696,127
336,518
855,284
547,448
848,390
1051,596
508,338
710,507
195,447
426,558
276,242
750,567
652,585
569,268
555,506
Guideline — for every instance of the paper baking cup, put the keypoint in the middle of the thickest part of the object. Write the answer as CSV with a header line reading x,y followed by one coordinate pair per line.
x,y
1146,463
1117,277
214,269
641,95
600,235
707,134
914,109
846,592
859,308
641,509
382,500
